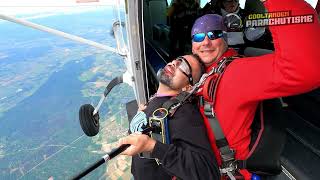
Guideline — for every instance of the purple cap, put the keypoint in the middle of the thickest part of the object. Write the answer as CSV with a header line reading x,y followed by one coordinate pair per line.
x,y
207,23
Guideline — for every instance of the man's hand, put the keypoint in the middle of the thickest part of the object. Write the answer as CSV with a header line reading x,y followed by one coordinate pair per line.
x,y
142,107
139,143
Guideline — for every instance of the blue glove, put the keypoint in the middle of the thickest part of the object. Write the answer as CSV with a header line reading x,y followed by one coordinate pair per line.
x,y
139,120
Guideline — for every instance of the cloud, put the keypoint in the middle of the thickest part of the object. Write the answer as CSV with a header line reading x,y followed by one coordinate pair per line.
x,y
2,55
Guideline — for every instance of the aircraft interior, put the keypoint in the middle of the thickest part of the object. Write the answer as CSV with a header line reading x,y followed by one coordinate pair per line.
x,y
300,158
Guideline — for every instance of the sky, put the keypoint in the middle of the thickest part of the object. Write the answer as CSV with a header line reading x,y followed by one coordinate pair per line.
x,y
17,7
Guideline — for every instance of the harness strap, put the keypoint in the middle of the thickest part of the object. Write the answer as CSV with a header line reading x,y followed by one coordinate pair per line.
x,y
230,166
242,164
174,103
227,154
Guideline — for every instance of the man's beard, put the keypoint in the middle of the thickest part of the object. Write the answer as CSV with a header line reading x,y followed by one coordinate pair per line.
x,y
163,78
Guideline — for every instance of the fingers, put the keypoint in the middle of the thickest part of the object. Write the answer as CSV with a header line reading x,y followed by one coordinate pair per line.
x,y
131,139
142,107
139,143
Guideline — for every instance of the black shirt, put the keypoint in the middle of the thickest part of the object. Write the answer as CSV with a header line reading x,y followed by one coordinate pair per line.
x,y
189,156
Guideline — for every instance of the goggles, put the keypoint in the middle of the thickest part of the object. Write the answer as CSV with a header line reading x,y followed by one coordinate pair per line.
x,y
212,35
185,68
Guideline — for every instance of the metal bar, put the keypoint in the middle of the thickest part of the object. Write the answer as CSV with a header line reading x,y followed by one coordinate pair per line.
x,y
58,33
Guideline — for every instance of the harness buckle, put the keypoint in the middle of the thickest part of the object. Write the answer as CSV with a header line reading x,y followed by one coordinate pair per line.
x,y
230,169
221,66
228,156
208,110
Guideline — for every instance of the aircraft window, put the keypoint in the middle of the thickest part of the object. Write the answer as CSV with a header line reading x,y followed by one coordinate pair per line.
x,y
167,28
44,81
203,3
313,3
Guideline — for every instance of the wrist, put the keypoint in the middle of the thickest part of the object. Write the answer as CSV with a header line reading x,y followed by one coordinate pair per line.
x,y
151,144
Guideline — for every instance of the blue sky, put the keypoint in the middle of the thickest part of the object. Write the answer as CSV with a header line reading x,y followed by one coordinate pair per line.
x,y
14,7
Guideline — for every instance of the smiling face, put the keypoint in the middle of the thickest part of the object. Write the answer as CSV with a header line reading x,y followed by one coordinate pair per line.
x,y
176,77
209,50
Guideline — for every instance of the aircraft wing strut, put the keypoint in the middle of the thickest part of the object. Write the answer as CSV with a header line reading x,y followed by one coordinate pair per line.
x,y
58,33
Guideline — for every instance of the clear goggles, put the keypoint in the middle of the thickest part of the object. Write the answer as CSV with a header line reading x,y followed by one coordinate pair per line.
x,y
185,68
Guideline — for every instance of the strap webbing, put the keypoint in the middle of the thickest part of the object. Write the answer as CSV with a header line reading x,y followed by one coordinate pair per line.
x,y
227,154
174,103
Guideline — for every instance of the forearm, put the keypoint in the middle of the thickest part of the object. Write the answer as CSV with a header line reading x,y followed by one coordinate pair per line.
x,y
296,58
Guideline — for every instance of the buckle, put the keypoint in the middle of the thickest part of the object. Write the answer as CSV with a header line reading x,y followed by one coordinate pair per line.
x,y
208,110
221,65
209,113
230,170
158,161
226,157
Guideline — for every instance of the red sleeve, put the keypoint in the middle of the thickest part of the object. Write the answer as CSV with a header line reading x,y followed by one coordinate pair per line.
x,y
293,68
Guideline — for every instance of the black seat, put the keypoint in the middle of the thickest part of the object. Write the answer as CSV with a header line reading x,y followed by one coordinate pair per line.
x,y
300,157
265,159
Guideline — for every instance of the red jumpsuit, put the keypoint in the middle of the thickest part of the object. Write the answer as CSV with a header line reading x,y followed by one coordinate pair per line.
x,y
293,68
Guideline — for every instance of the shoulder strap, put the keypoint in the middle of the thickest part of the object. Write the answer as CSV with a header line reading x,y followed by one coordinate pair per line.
x,y
175,102
227,154
208,100
211,82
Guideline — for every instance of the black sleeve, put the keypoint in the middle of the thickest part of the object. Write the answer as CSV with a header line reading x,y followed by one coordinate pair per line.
x,y
189,156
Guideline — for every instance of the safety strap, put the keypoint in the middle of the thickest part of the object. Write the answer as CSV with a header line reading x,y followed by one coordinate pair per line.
x,y
175,102
229,164
227,154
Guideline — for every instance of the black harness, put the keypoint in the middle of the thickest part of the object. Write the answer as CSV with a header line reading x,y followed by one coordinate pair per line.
x,y
159,119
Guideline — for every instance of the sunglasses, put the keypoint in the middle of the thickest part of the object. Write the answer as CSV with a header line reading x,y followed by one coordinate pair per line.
x,y
212,35
185,68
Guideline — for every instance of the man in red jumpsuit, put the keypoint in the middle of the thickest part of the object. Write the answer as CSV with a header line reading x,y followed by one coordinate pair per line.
x,y
293,68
